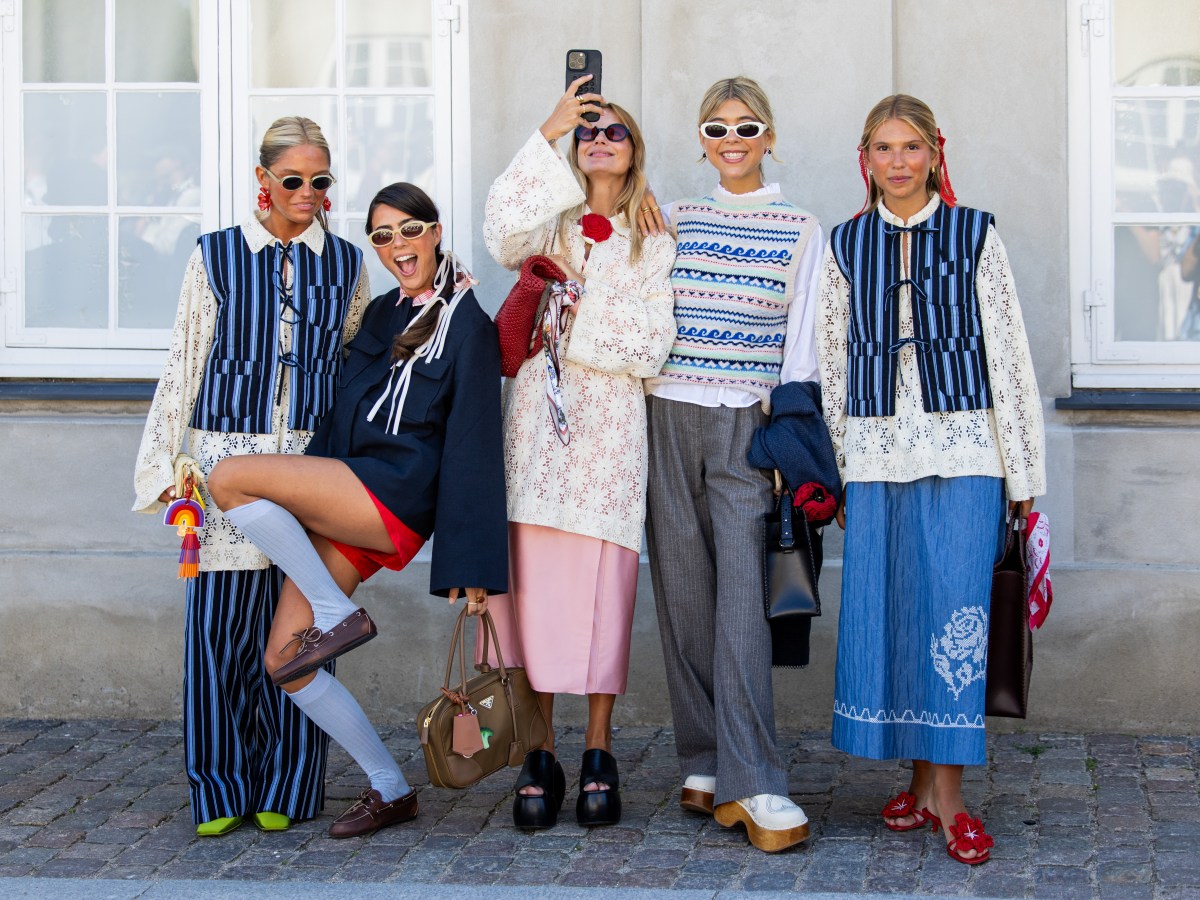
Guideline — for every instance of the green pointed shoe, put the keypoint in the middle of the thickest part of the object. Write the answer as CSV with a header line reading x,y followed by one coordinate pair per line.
x,y
272,821
219,826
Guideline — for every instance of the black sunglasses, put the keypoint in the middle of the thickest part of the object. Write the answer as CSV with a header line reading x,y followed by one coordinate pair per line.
x,y
615,132
295,182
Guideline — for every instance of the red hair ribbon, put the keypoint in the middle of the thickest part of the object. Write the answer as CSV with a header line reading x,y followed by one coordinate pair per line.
x,y
947,192
862,168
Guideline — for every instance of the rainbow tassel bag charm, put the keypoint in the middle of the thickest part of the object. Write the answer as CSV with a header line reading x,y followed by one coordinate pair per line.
x,y
186,515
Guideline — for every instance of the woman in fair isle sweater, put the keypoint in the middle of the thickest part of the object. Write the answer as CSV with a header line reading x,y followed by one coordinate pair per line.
x,y
744,281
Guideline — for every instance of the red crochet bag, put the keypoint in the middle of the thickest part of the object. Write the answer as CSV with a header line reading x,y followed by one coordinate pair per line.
x,y
515,321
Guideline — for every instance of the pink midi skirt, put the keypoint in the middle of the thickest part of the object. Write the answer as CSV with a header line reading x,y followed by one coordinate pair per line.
x,y
568,615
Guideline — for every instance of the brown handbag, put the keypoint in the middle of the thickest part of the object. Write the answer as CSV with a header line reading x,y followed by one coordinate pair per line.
x,y
481,725
1010,642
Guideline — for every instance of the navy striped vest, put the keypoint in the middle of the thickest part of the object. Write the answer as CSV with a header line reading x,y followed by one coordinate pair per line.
x,y
947,331
239,376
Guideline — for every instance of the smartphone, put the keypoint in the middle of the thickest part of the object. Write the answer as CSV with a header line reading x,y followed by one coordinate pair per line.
x,y
585,62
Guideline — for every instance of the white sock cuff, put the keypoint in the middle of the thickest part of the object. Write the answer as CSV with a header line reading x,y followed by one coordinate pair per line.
x,y
314,690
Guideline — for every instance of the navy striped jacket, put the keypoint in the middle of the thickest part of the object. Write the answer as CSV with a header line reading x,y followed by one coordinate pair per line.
x,y
239,376
947,331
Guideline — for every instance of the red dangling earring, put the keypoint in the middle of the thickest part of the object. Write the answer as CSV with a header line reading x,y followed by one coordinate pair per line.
x,y
264,199
326,205
947,192
862,168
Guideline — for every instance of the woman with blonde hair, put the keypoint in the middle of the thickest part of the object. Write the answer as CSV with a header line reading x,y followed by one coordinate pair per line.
x,y
930,396
265,310
575,430
744,285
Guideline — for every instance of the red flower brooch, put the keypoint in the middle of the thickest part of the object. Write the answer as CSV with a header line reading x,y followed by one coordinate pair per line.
x,y
595,228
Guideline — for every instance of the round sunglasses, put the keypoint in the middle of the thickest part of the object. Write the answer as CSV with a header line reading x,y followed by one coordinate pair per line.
x,y
615,132
384,235
719,130
295,182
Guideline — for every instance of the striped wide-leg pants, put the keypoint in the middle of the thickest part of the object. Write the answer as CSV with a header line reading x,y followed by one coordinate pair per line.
x,y
248,749
705,525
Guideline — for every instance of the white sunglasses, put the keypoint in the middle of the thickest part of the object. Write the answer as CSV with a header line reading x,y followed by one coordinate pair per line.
x,y
719,130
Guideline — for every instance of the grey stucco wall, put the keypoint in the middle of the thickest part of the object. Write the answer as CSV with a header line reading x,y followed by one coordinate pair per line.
x,y
90,611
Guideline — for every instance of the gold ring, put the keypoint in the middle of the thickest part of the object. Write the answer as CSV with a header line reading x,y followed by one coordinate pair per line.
x,y
647,209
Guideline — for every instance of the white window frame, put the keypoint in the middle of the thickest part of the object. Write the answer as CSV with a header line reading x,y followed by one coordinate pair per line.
x,y
227,149
1099,361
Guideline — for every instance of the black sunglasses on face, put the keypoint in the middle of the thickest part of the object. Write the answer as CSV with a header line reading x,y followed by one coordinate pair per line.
x,y
615,132
294,182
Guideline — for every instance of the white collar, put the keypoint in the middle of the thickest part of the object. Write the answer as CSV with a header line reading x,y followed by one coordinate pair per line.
x,y
257,237
916,219
772,188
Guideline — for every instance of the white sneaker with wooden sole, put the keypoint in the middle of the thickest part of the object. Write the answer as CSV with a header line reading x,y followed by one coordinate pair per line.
x,y
773,823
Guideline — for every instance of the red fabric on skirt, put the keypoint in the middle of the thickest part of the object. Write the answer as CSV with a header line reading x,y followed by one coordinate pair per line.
x,y
367,561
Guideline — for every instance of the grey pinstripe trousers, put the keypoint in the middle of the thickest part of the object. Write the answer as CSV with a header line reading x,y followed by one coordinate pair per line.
x,y
705,529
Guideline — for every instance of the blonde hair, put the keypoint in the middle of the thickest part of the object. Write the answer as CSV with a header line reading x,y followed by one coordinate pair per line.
x,y
919,117
629,201
746,90
288,132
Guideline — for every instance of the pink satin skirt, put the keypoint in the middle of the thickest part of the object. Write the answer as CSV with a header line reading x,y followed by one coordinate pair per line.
x,y
568,615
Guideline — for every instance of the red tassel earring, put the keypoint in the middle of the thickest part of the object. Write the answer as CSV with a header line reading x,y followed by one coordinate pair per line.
x,y
947,192
326,205
862,168
264,199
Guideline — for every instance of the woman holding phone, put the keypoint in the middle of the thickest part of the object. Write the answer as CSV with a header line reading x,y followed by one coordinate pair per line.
x,y
575,429
930,396
744,285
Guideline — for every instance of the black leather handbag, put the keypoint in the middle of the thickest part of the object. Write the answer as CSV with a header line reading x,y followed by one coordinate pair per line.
x,y
791,567
1010,642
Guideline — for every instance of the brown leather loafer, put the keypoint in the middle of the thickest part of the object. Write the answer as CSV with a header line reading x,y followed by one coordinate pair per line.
x,y
318,647
369,813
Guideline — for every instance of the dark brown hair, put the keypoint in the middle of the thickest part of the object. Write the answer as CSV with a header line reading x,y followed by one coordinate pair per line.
x,y
410,199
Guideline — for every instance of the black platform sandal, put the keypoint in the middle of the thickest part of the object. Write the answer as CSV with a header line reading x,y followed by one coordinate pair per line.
x,y
541,770
598,807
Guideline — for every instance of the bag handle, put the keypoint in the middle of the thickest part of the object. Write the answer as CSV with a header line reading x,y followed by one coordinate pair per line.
x,y
787,530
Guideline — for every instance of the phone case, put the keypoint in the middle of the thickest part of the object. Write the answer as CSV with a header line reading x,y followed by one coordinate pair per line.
x,y
593,65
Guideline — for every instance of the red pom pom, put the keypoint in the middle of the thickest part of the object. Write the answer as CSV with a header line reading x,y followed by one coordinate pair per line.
x,y
596,227
818,504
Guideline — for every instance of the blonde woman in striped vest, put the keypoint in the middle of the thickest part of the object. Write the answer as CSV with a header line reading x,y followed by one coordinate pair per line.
x,y
930,396
265,310
744,281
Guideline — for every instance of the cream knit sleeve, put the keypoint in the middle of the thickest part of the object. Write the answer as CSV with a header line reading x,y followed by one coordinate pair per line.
x,y
1016,403
523,205
167,422
358,305
833,323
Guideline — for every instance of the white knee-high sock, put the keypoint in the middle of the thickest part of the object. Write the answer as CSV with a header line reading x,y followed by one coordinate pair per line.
x,y
326,701
279,534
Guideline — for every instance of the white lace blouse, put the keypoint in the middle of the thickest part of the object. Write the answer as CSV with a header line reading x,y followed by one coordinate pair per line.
x,y
620,333
221,545
1006,441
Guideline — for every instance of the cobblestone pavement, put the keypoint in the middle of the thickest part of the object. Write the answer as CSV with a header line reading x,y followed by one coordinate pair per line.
x,y
1094,815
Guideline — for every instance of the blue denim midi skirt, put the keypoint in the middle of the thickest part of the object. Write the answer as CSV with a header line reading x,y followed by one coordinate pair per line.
x,y
913,629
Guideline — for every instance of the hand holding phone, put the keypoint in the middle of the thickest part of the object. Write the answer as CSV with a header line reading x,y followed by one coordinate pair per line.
x,y
575,107
585,62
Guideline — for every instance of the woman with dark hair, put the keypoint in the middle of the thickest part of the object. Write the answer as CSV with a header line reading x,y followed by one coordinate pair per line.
x,y
253,367
411,446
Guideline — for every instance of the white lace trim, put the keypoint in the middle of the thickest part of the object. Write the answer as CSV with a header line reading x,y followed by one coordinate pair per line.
x,y
907,717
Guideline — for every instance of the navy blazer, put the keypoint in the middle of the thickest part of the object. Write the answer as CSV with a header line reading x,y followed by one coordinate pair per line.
x,y
443,472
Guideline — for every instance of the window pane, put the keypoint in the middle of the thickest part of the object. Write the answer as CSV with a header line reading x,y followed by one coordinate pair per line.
x,y
1157,273
390,139
158,148
65,137
1157,43
66,271
382,280
63,40
1156,155
389,45
171,55
291,43
152,253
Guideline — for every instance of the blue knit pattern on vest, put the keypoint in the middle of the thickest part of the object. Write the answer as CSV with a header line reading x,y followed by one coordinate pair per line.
x,y
730,280
947,330
239,376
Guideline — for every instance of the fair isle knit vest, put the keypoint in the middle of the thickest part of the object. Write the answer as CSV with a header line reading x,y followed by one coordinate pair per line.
x,y
735,265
